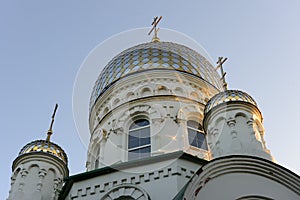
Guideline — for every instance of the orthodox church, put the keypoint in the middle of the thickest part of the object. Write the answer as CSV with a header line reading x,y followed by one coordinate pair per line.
x,y
163,125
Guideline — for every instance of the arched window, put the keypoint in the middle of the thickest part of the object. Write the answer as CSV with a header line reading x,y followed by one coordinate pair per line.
x,y
139,141
196,135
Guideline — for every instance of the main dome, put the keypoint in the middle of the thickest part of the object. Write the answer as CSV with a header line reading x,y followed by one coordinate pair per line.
x,y
155,55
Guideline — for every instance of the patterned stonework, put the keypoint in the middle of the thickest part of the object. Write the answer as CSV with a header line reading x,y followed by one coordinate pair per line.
x,y
155,55
46,147
228,96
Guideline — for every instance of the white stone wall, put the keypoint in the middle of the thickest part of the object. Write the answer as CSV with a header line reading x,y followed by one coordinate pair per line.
x,y
236,129
37,176
166,98
159,180
243,178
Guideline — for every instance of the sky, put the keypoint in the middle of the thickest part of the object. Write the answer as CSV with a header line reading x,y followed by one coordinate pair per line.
x,y
44,43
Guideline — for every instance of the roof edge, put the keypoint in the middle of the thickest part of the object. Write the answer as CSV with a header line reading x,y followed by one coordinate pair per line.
x,y
116,167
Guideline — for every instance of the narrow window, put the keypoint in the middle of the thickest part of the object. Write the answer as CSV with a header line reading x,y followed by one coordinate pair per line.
x,y
196,135
97,157
97,163
139,142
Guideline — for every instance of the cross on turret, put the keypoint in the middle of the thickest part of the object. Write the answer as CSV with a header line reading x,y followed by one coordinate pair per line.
x,y
223,74
154,24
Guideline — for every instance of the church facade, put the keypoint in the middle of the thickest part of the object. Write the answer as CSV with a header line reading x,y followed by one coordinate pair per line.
x,y
163,125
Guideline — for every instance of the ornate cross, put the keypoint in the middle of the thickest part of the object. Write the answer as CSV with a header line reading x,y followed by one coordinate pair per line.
x,y
49,133
154,24
223,74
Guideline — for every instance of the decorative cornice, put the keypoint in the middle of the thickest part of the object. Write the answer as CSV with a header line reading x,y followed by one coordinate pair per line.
x,y
42,157
243,164
69,181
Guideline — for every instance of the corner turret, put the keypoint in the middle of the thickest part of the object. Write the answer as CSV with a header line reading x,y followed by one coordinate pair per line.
x,y
39,169
233,124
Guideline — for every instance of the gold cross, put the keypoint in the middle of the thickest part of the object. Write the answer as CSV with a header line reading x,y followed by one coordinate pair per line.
x,y
49,133
154,24
223,74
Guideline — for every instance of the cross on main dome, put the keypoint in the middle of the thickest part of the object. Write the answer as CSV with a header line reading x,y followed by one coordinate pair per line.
x,y
155,22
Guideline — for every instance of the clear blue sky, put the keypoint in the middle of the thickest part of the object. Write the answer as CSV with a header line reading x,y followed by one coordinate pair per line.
x,y
43,43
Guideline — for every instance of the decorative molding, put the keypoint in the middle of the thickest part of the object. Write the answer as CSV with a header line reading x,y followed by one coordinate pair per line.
x,y
41,174
134,179
127,91
241,165
126,190
32,169
193,112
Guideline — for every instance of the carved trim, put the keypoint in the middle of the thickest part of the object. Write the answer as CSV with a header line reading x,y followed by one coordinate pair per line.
x,y
130,89
241,165
134,179
126,190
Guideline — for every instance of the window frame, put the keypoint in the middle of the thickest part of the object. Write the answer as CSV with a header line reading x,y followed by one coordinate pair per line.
x,y
139,147
198,130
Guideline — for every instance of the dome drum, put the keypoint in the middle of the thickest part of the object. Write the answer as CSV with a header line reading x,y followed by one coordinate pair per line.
x,y
174,84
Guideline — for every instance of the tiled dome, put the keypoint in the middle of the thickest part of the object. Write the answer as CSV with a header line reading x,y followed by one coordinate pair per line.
x,y
155,55
46,147
228,96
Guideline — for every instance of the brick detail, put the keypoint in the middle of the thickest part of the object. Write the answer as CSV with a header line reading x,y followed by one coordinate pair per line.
x,y
134,179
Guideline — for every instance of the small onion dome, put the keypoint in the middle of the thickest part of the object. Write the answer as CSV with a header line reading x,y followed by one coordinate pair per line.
x,y
228,96
45,147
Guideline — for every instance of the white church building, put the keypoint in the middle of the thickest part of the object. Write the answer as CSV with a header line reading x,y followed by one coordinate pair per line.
x,y
163,125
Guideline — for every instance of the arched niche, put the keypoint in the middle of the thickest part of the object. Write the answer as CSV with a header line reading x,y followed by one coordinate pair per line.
x,y
190,112
126,191
129,96
179,91
162,90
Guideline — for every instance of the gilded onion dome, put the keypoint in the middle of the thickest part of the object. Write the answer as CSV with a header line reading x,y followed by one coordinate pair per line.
x,y
155,55
228,96
45,147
